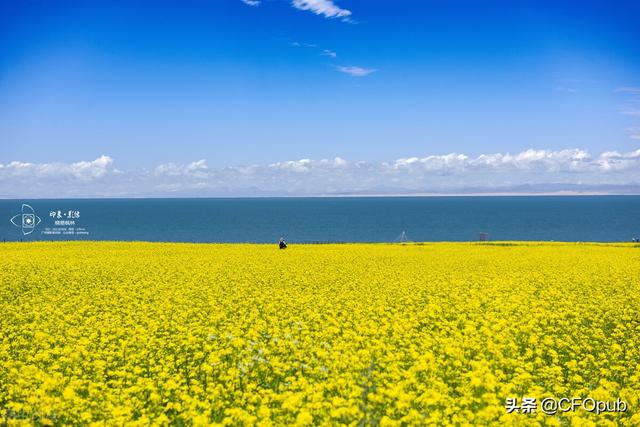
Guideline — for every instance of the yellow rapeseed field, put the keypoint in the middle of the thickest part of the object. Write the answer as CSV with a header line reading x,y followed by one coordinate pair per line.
x,y
358,334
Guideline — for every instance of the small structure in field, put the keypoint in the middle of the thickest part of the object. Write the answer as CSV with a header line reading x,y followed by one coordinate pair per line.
x,y
483,237
403,238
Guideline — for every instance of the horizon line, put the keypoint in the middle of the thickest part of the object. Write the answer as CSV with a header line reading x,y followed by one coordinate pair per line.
x,y
342,196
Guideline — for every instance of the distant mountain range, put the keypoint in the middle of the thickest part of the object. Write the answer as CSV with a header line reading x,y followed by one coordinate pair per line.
x,y
516,190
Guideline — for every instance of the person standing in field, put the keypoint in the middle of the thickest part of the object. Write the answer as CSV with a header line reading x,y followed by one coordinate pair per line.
x,y
282,244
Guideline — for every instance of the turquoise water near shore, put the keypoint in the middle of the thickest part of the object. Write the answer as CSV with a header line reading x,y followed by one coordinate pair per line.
x,y
331,219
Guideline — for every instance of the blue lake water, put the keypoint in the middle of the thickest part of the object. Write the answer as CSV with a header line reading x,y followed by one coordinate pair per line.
x,y
343,219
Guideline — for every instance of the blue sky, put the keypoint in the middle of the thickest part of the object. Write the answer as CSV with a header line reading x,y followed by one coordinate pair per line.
x,y
161,86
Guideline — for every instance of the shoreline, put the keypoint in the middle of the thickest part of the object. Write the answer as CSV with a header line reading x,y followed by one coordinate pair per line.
x,y
294,244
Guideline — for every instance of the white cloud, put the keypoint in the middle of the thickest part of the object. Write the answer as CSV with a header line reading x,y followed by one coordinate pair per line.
x,y
306,165
613,161
569,85
633,132
432,173
330,53
198,168
307,45
326,8
356,71
84,170
631,111
565,88
632,108
571,160
324,52
629,89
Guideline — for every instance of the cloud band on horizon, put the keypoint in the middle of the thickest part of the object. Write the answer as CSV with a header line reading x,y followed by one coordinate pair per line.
x,y
435,173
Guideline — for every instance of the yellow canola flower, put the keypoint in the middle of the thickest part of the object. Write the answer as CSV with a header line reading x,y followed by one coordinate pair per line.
x,y
106,333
